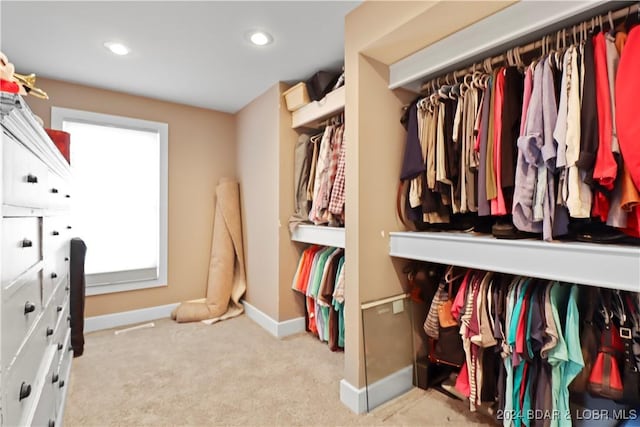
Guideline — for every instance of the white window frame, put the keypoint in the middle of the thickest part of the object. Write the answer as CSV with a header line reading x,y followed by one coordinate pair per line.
x,y
105,283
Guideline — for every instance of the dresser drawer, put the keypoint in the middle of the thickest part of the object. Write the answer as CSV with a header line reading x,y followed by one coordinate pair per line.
x,y
55,273
63,369
56,232
45,413
24,176
21,307
20,246
50,318
22,378
59,192
63,322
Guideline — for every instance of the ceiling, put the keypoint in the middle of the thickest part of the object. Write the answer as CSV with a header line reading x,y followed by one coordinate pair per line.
x,y
194,53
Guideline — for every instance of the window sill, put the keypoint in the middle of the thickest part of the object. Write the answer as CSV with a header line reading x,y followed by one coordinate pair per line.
x,y
122,287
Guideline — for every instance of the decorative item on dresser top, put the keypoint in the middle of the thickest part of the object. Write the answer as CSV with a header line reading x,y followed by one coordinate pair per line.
x,y
36,353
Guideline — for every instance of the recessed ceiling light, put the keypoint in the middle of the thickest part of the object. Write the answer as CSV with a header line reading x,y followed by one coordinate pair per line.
x,y
117,48
260,38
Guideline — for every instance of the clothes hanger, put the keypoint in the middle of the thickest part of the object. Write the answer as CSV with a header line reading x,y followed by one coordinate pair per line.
x,y
449,277
315,138
612,28
488,68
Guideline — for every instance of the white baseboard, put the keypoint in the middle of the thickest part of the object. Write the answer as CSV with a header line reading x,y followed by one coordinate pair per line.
x,y
380,392
275,328
108,321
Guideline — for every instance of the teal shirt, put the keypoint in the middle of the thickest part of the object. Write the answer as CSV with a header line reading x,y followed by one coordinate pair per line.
x,y
574,363
339,307
318,270
518,369
558,356
508,365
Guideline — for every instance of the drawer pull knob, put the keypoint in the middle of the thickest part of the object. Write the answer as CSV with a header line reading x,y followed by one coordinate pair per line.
x,y
68,227
66,258
54,190
52,423
25,390
26,243
54,276
32,179
66,288
29,307
55,233
68,196
61,383
60,346
49,331
59,308
55,378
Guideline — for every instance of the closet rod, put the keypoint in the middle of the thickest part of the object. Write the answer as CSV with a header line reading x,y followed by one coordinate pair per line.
x,y
337,118
538,44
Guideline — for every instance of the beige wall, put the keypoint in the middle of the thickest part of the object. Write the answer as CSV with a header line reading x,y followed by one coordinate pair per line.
x,y
257,165
265,169
201,150
290,304
378,33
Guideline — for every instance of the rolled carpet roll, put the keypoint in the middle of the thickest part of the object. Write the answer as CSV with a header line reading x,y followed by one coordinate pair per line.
x,y
227,279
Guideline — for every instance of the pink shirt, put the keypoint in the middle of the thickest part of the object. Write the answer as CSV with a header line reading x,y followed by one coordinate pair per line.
x,y
497,205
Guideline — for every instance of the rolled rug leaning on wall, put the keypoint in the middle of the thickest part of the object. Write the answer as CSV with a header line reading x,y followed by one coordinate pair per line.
x,y
227,278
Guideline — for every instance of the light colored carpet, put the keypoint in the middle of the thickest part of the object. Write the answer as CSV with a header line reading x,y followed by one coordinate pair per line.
x,y
231,373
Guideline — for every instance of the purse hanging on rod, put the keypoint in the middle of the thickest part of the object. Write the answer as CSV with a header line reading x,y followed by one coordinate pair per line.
x,y
605,379
447,349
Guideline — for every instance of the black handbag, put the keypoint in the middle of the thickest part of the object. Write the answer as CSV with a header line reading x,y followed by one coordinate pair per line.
x,y
628,315
447,349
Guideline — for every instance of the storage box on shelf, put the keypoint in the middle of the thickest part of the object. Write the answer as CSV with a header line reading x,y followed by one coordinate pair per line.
x,y
296,96
34,290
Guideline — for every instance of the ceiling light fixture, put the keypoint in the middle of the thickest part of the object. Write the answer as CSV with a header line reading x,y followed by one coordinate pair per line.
x,y
117,48
260,38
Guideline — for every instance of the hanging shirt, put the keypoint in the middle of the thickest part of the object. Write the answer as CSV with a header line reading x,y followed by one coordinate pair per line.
x,y
617,216
507,350
423,122
497,204
575,361
589,115
492,190
511,116
338,301
322,176
578,193
528,157
558,356
606,168
336,205
484,206
302,164
627,123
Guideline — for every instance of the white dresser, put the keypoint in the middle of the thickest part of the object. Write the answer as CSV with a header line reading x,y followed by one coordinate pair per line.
x,y
35,338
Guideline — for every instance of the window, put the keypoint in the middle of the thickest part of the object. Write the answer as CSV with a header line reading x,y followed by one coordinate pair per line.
x,y
119,208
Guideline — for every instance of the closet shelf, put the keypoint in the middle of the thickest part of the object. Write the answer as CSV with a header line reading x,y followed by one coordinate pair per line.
x,y
516,24
319,235
609,266
311,114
